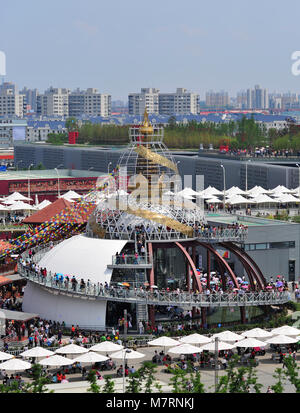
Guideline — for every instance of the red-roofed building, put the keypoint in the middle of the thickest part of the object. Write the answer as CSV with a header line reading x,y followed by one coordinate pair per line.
x,y
47,213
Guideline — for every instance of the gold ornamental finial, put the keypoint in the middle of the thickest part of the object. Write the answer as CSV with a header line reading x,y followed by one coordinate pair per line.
x,y
146,128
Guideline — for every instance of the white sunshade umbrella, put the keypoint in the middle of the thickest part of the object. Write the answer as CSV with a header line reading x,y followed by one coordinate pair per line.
x,y
195,339
222,345
228,336
37,352
250,342
71,195
286,198
238,200
189,191
127,354
281,339
43,204
3,208
5,356
257,333
90,357
234,191
16,196
106,346
264,199
185,349
213,201
71,349
210,191
56,361
21,206
257,190
164,342
286,331
15,365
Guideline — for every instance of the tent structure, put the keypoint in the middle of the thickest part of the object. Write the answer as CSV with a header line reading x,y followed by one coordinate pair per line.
x,y
210,191
5,356
71,195
185,348
279,189
106,346
56,361
15,365
222,345
263,199
228,336
286,198
250,342
21,206
238,200
234,190
43,204
281,339
16,196
257,190
37,352
90,358
71,349
213,200
257,333
195,339
286,331
164,342
189,191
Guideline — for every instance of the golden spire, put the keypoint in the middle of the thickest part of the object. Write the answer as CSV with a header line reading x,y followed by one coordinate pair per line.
x,y
146,128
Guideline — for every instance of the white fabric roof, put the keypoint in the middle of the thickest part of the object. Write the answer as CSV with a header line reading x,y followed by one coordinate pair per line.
x,y
43,204
287,198
256,191
234,190
209,191
16,196
20,206
238,199
83,257
189,191
227,336
264,199
280,189
213,200
71,194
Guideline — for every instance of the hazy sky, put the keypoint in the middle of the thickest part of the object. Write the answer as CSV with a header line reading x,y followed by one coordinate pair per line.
x,y
122,45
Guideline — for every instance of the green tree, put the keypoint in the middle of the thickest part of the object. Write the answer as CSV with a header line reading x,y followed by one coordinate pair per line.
x,y
109,386
147,374
71,124
278,386
39,380
92,379
134,383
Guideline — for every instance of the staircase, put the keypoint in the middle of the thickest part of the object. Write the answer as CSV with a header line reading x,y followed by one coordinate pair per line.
x,y
141,312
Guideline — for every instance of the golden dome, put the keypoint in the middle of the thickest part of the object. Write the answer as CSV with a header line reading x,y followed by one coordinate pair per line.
x,y
146,128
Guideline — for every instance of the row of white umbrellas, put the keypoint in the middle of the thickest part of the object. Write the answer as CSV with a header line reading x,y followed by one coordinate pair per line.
x,y
186,345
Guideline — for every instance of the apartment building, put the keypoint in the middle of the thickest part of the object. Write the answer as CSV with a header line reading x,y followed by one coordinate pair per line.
x,y
217,99
11,102
54,103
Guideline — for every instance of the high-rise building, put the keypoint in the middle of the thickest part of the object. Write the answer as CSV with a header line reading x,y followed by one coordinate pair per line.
x,y
11,102
147,99
217,99
90,103
241,100
30,99
182,102
257,98
54,103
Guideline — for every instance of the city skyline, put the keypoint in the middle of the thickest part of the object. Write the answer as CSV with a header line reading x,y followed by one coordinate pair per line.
x,y
120,47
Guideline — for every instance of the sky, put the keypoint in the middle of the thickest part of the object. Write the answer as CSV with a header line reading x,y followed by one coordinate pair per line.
x,y
121,46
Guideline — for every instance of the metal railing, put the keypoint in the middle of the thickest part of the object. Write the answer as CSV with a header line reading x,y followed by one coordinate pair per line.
x,y
222,234
161,298
131,259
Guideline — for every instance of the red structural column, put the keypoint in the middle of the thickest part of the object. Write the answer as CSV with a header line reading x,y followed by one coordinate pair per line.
x,y
151,313
188,273
151,310
194,309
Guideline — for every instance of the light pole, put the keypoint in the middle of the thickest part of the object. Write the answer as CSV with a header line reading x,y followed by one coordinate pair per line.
x,y
298,182
29,180
58,188
249,160
216,362
126,350
224,186
110,163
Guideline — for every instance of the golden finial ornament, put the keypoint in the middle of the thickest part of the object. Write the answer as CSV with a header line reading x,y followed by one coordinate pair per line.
x,y
146,128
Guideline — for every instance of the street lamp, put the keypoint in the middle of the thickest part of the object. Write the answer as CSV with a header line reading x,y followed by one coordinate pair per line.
x,y
224,186
249,160
29,180
110,163
126,351
58,188
298,182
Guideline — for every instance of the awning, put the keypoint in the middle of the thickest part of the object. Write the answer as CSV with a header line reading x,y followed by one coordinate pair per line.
x,y
17,315
9,279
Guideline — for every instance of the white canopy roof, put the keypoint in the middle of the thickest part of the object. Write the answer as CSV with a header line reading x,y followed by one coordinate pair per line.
x,y
37,352
16,196
3,208
213,200
164,342
21,206
90,357
257,333
286,198
127,354
264,199
56,360
209,191
222,345
189,191
195,339
234,190
250,342
281,339
71,349
43,204
106,346
185,349
5,356
286,331
228,336
238,199
256,191
280,189
15,365
71,195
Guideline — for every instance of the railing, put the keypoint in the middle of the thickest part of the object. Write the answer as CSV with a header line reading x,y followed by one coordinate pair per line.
x,y
131,259
223,234
97,291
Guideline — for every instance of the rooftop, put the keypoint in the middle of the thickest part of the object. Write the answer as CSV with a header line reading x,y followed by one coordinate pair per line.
x,y
245,220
